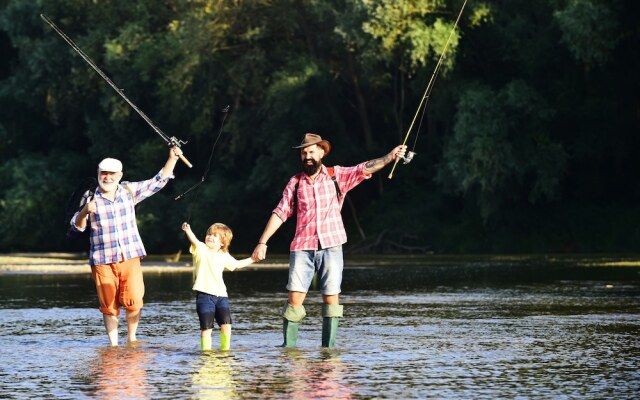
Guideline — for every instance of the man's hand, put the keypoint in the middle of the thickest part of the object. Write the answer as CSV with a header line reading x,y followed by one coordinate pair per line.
x,y
376,165
398,152
175,153
89,206
260,252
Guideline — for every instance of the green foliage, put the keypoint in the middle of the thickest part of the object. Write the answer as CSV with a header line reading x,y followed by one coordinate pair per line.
x,y
502,147
533,117
590,30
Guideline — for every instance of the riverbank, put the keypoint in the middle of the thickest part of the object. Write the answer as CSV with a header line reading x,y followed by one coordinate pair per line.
x,y
71,263
64,263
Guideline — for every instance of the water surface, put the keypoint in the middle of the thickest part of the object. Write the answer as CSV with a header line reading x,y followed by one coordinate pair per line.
x,y
408,332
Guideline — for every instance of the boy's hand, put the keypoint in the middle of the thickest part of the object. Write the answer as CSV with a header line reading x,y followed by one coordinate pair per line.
x,y
186,227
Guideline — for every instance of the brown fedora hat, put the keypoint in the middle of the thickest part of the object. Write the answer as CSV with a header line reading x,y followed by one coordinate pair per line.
x,y
310,139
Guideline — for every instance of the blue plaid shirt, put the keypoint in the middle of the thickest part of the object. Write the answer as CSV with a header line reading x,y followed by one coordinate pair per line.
x,y
114,233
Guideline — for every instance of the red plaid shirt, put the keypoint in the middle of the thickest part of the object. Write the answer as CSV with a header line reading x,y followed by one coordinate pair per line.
x,y
319,218
114,233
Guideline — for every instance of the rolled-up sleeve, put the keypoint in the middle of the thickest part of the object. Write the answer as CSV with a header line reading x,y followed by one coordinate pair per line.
x,y
285,210
350,177
75,227
144,189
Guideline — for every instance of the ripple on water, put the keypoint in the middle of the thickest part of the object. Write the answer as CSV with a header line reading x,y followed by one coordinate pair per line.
x,y
559,340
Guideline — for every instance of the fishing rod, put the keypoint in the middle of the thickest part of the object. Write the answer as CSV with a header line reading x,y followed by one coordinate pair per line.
x,y
206,171
425,98
171,141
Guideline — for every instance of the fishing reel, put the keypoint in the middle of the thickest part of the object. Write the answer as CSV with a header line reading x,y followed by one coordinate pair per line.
x,y
174,141
408,157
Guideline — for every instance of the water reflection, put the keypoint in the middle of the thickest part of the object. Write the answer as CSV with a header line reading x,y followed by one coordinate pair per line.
x,y
119,373
308,377
214,376
399,339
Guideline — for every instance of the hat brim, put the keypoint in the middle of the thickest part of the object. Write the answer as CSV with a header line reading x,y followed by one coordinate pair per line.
x,y
326,146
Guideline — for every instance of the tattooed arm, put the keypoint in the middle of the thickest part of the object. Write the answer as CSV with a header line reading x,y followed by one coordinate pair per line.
x,y
376,165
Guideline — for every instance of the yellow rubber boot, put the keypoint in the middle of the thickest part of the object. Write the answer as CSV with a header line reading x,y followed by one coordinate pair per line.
x,y
205,343
225,341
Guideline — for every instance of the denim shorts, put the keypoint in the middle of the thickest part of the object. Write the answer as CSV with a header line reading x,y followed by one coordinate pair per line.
x,y
211,307
328,263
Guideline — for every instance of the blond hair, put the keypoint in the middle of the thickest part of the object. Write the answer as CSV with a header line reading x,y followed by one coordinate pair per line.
x,y
225,235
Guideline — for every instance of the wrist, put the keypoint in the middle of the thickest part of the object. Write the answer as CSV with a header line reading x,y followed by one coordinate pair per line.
x,y
264,243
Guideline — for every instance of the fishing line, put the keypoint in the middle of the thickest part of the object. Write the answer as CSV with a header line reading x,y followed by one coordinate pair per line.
x,y
425,98
171,141
208,168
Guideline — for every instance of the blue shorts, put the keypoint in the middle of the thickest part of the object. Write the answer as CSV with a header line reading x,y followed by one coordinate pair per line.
x,y
328,263
211,307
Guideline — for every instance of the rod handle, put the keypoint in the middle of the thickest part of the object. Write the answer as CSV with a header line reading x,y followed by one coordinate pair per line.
x,y
393,169
184,160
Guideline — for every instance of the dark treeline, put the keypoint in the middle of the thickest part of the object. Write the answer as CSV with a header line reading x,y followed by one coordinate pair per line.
x,y
529,142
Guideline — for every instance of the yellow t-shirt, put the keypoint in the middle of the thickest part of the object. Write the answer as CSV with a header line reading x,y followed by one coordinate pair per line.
x,y
208,269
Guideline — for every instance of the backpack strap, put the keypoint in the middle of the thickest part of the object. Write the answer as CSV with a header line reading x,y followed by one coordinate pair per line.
x,y
295,192
332,174
133,197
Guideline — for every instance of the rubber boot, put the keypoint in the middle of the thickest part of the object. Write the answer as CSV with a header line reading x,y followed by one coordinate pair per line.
x,y
331,314
225,341
205,343
290,324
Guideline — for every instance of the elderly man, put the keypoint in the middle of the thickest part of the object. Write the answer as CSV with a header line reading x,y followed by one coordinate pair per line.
x,y
115,244
316,195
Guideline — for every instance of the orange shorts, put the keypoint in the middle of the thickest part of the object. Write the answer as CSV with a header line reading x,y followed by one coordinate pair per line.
x,y
119,285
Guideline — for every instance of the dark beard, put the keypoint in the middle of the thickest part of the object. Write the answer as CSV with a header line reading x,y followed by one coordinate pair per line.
x,y
312,168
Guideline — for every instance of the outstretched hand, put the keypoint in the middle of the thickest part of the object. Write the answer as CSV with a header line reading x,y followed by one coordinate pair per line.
x,y
398,152
175,152
186,227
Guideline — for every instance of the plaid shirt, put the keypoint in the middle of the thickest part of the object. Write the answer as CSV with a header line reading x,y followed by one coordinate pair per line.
x,y
319,218
114,232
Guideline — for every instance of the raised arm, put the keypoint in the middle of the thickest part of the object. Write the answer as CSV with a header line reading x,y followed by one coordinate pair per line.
x,y
379,163
190,235
174,156
260,252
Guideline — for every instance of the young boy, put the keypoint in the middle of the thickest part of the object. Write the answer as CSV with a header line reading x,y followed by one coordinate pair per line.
x,y
210,259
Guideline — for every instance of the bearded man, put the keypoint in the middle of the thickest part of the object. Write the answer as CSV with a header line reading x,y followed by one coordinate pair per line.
x,y
316,195
115,245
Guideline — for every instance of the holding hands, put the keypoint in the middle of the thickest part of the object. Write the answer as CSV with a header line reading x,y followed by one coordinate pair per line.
x,y
260,252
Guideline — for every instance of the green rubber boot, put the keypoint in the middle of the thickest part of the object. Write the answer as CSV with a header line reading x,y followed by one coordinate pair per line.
x,y
290,324
331,314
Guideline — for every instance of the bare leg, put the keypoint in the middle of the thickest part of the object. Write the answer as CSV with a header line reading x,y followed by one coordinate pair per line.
x,y
111,325
296,298
330,299
133,317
